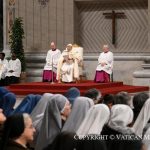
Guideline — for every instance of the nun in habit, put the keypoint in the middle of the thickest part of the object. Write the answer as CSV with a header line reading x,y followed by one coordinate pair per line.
x,y
141,125
119,135
80,107
138,101
17,132
57,110
38,113
142,119
96,118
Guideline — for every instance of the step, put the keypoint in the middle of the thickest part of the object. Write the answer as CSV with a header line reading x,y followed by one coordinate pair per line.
x,y
55,86
114,90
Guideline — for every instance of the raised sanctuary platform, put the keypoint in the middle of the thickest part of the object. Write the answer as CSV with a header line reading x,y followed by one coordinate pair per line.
x,y
45,87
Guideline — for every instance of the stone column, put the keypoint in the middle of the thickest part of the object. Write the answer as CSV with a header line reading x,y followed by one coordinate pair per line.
x,y
142,77
6,49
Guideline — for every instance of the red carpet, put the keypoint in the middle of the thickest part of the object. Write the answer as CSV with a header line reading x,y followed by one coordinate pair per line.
x,y
44,87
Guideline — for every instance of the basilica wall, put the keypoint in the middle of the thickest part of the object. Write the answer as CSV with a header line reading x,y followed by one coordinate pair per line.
x,y
83,22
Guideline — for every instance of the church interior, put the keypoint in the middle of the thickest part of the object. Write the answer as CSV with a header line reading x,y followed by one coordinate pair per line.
x,y
68,113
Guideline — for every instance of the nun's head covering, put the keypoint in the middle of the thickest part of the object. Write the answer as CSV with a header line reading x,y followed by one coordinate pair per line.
x,y
121,116
3,91
96,118
142,118
13,128
8,102
27,104
52,123
37,113
72,94
79,110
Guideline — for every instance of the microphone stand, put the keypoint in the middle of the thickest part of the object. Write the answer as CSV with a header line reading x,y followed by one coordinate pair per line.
x,y
52,73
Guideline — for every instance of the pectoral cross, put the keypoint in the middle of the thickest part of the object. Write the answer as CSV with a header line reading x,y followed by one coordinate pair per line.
x,y
113,16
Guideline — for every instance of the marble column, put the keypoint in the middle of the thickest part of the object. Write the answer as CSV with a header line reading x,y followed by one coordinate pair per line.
x,y
6,49
142,77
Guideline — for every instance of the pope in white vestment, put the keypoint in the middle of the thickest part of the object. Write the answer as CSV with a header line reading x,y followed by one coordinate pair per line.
x,y
68,67
105,66
52,58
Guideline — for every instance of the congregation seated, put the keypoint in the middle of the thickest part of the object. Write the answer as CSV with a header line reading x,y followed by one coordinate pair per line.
x,y
53,116
13,70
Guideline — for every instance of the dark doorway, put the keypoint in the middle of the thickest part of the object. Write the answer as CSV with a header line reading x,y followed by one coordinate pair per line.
x,y
1,25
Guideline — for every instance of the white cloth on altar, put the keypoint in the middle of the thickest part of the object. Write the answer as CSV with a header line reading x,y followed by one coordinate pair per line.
x,y
3,68
106,58
14,65
52,59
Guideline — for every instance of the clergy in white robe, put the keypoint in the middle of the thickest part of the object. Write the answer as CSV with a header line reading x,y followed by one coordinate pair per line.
x,y
105,66
50,68
71,65
3,68
13,70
